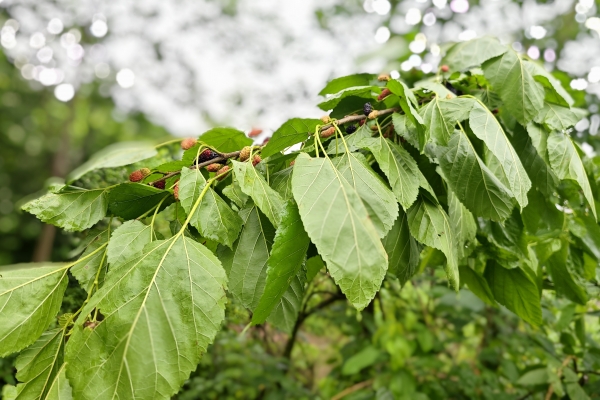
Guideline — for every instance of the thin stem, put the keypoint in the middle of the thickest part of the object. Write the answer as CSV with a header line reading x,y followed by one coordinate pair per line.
x,y
154,217
168,142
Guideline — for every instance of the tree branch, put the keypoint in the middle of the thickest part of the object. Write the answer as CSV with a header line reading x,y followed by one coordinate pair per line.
x,y
352,118
352,389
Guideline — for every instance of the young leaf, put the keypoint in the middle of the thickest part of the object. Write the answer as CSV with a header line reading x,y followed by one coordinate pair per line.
x,y
487,128
399,167
213,218
472,182
430,225
555,93
30,297
128,241
249,256
131,200
462,222
115,155
567,164
405,94
161,310
293,131
523,97
402,250
563,279
286,259
515,290
85,271
255,186
285,312
225,139
377,197
75,210
38,366
473,53
345,82
338,224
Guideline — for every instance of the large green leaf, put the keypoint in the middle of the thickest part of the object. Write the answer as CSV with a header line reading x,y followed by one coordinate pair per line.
x,y
284,263
402,250
60,388
566,163
487,128
285,312
515,290
86,271
440,117
375,194
225,139
161,311
556,117
345,82
293,131
565,282
555,93
477,284
473,53
400,168
463,223
472,182
248,258
254,185
30,297
38,366
131,200
523,97
339,225
235,194
360,91
73,210
128,241
540,173
353,140
430,225
405,95
213,218
115,155
281,181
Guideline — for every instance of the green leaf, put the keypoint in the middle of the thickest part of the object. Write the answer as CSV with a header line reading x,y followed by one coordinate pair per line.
x,y
128,241
60,388
353,141
473,53
407,130
313,266
255,186
567,164
398,166
338,224
564,282
287,255
161,311
364,358
477,284
30,297
405,94
487,128
360,91
516,291
235,194
440,117
375,194
85,271
430,225
74,210
538,376
557,118
555,93
463,223
472,182
402,250
345,82
248,258
523,97
281,181
115,155
293,131
225,140
588,231
131,200
213,218
540,173
285,313
38,366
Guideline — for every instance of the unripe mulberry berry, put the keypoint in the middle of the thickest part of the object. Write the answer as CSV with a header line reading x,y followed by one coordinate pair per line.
x,y
255,160
159,184
445,68
176,191
266,140
136,176
326,119
245,153
292,163
351,129
384,77
495,111
384,93
367,108
328,132
374,114
361,122
222,173
188,143
207,155
213,167
254,132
